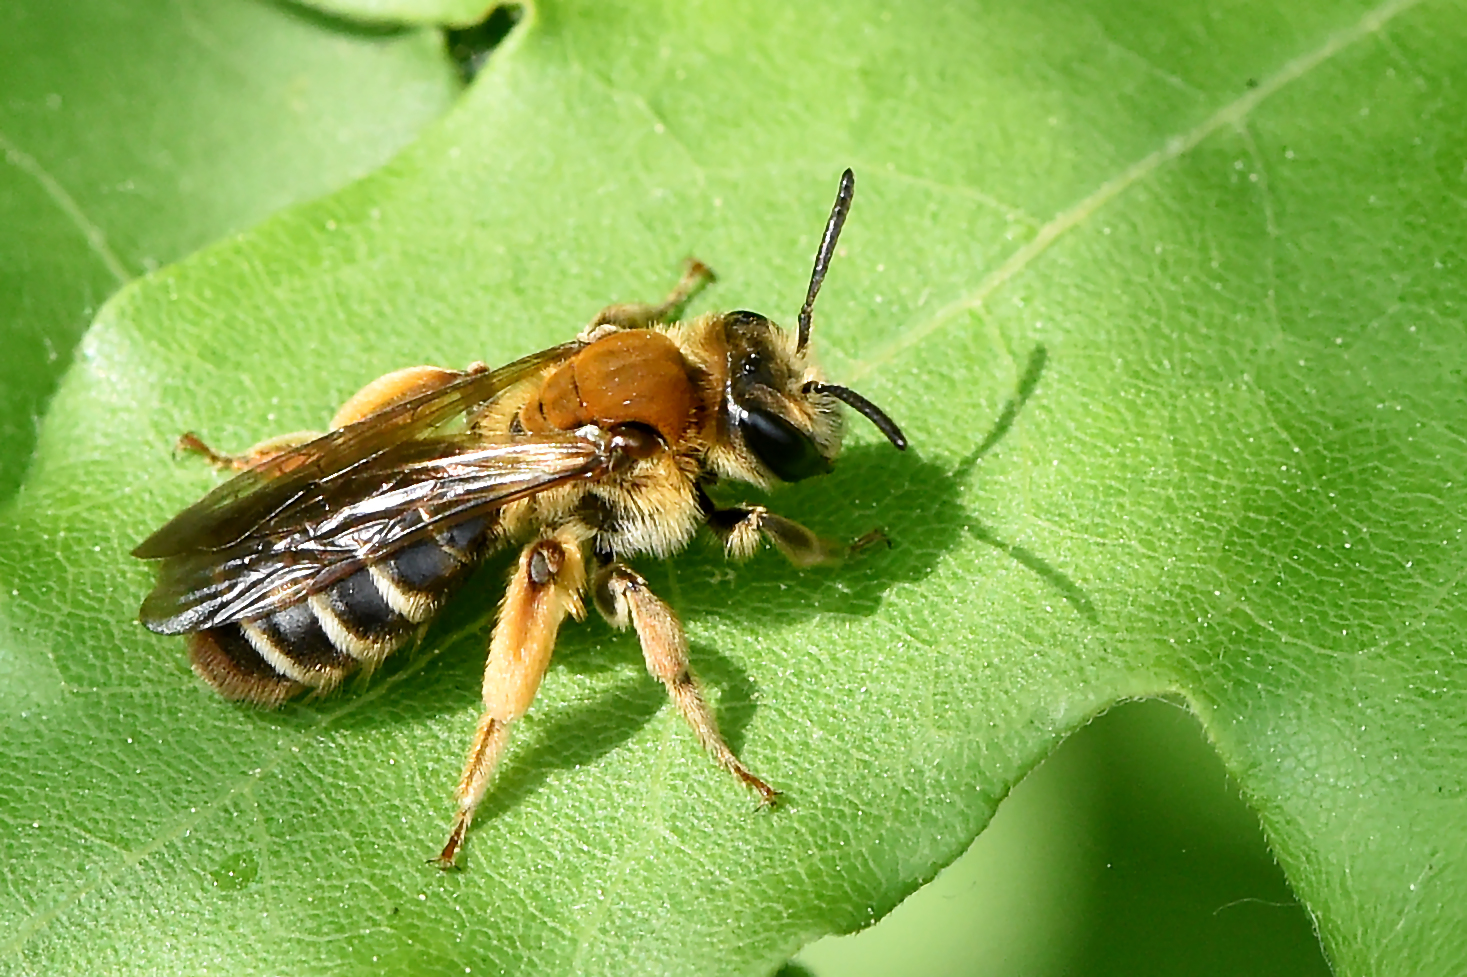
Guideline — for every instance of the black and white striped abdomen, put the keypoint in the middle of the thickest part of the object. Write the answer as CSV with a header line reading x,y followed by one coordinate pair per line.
x,y
353,624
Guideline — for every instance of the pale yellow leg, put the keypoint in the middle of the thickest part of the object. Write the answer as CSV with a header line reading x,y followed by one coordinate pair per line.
x,y
264,451
623,598
394,388
546,585
381,393
643,315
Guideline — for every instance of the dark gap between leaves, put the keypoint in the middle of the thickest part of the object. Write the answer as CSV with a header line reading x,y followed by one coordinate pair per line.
x,y
470,47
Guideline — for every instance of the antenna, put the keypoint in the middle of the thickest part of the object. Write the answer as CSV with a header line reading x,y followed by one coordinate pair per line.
x,y
865,408
837,220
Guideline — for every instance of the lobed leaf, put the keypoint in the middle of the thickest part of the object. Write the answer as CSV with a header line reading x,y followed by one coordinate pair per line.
x,y
1167,298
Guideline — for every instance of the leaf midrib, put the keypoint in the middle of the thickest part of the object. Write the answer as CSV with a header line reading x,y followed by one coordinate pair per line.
x,y
1234,114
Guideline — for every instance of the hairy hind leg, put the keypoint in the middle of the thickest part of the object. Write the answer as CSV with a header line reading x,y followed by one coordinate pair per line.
x,y
393,388
385,391
546,585
250,457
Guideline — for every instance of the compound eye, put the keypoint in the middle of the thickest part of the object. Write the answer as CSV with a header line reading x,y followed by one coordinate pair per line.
x,y
783,448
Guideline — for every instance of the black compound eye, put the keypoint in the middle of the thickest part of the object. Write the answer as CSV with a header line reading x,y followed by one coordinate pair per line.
x,y
783,448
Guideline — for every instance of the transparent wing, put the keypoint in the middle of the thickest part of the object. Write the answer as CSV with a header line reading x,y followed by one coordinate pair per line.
x,y
331,530
271,489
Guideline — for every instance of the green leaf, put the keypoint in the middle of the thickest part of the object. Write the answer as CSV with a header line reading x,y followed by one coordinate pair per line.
x,y
132,134
1129,843
1167,298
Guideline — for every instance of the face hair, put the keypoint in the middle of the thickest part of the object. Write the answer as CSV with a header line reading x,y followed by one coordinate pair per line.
x,y
837,220
863,407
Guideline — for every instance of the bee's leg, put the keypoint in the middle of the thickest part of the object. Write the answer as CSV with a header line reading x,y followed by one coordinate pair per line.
x,y
383,392
269,448
742,528
396,387
623,598
641,315
546,585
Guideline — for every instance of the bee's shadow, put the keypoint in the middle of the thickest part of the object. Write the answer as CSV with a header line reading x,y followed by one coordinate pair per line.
x,y
914,501
920,516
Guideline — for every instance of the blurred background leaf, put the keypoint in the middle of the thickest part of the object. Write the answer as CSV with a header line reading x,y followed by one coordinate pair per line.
x,y
451,13
1164,299
1127,851
134,133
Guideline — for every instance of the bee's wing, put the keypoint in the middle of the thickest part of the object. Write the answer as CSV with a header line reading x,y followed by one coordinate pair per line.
x,y
234,510
329,532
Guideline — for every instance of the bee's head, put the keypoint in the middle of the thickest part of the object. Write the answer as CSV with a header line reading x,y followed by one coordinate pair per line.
x,y
775,404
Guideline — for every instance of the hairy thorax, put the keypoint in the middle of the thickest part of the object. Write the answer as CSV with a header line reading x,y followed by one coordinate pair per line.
x,y
636,376
633,376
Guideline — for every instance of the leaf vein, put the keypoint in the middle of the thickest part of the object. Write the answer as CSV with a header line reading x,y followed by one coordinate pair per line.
x,y
1233,114
95,238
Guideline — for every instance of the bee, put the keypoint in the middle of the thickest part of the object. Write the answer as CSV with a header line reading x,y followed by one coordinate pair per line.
x,y
326,553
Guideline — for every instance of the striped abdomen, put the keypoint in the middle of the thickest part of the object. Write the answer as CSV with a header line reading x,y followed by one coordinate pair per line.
x,y
355,623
